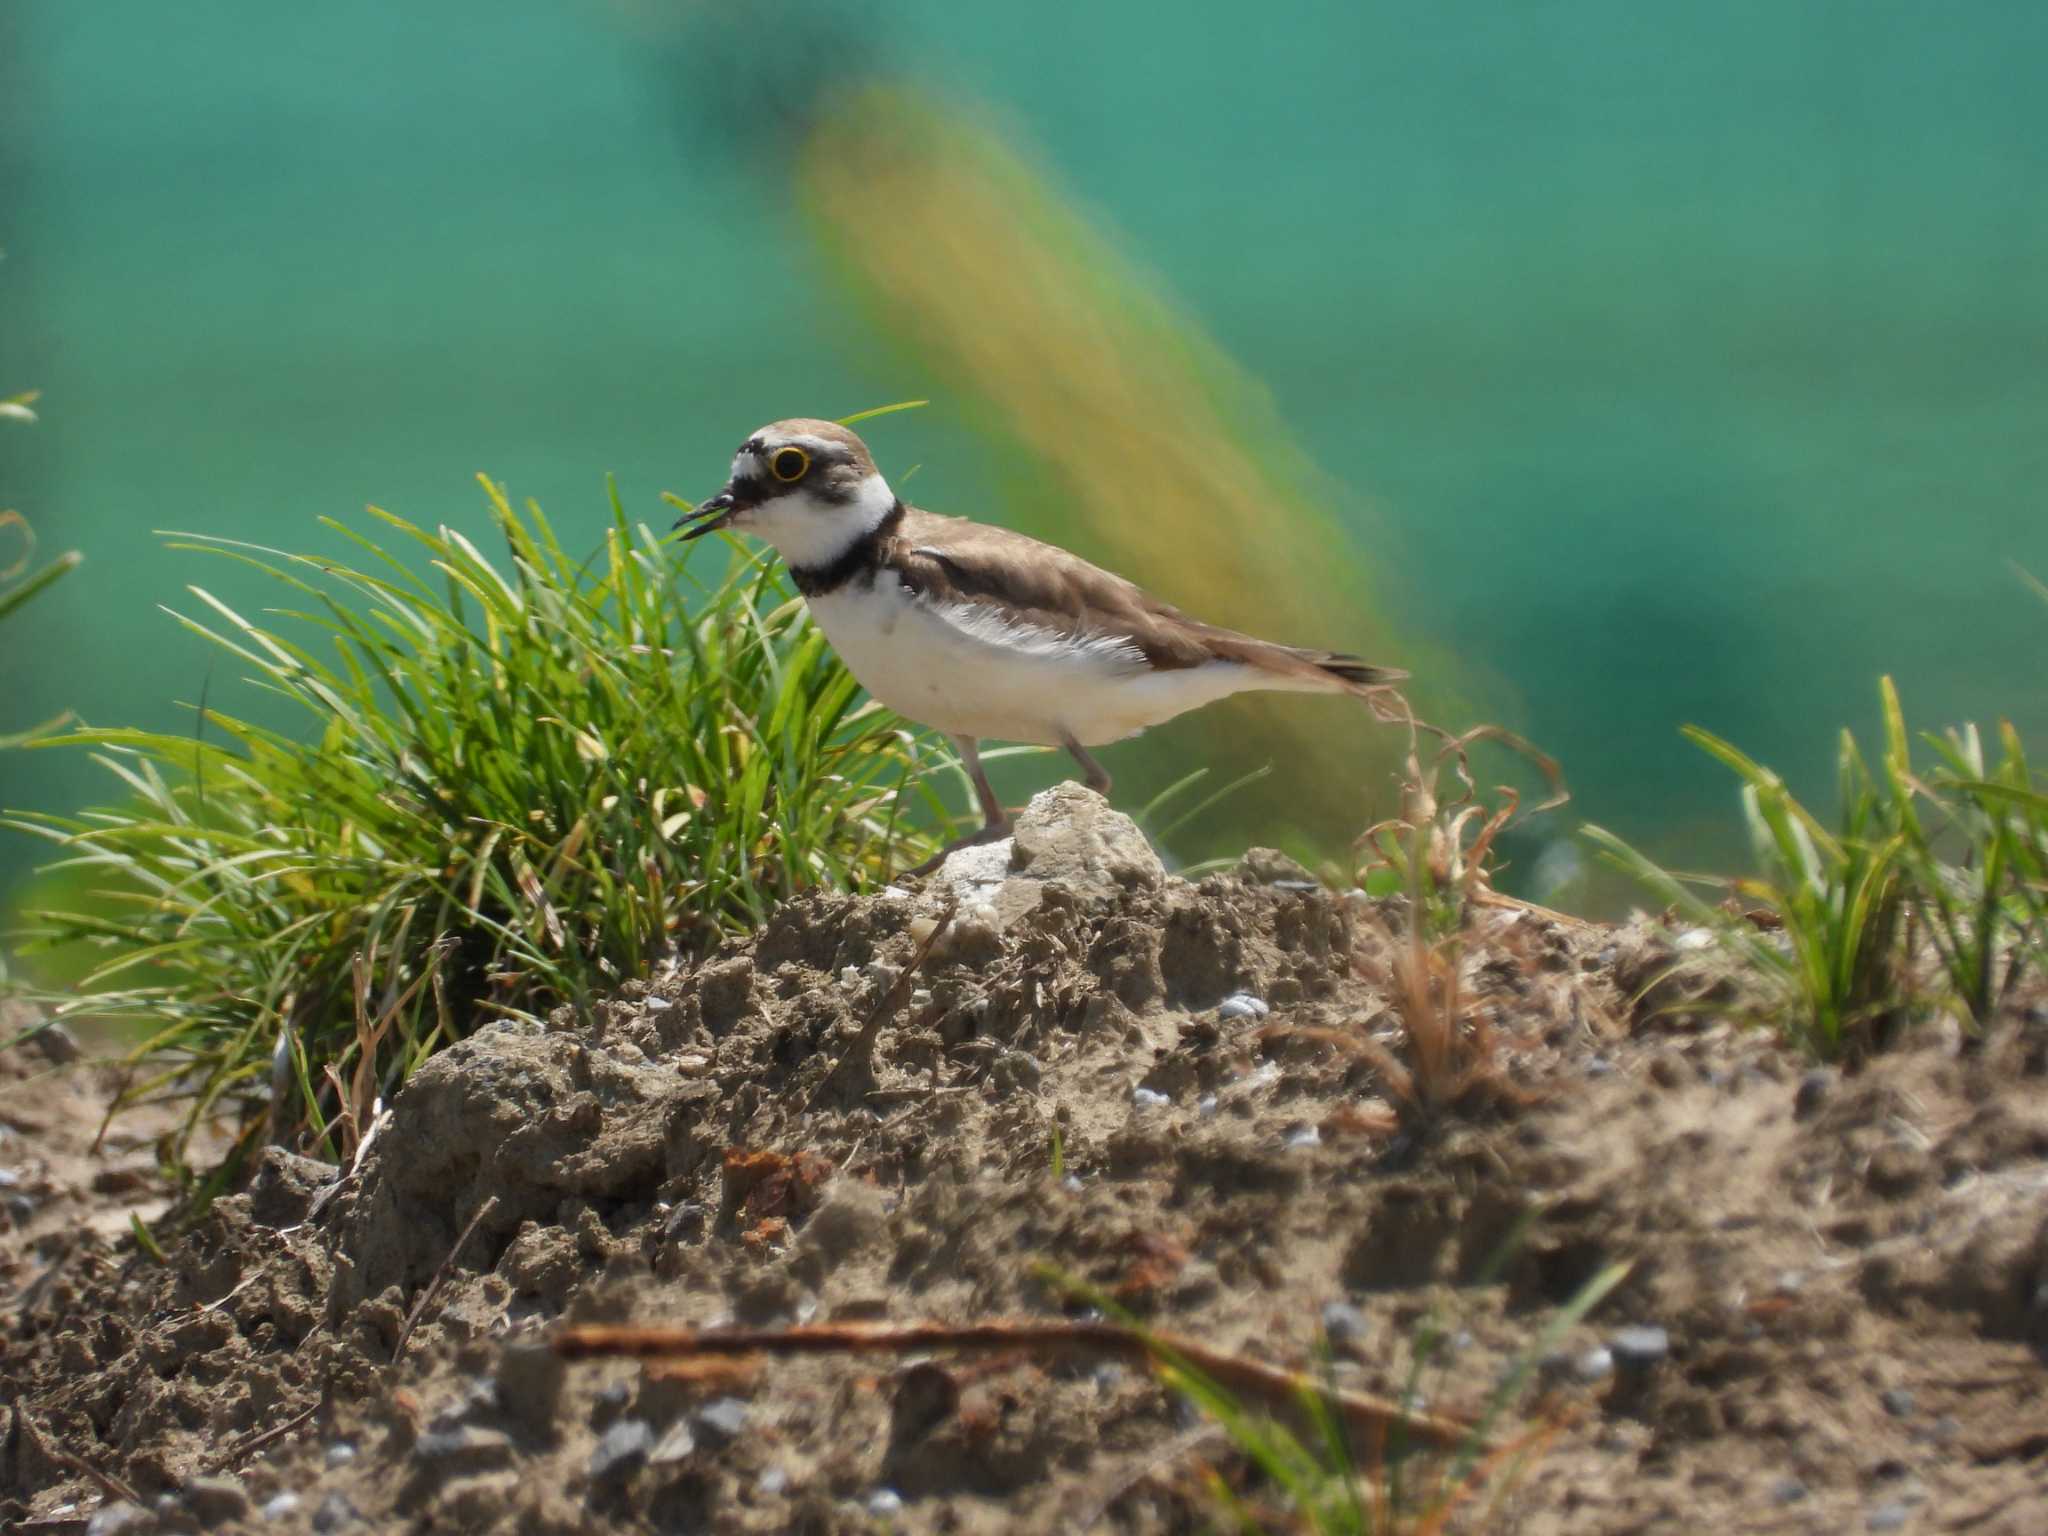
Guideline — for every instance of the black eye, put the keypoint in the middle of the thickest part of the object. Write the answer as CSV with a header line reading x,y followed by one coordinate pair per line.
x,y
789,465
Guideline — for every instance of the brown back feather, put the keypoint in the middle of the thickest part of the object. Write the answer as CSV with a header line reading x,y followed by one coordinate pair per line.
x,y
952,560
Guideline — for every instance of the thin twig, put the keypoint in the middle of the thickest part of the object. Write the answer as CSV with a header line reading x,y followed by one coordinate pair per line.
x,y
242,1285
440,1278
380,1120
862,1045
1486,896
110,1485
1276,1388
255,1443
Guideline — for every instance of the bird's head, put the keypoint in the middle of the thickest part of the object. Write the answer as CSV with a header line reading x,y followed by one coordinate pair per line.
x,y
807,487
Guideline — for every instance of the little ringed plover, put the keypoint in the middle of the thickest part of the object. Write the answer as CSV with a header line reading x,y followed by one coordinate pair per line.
x,y
984,633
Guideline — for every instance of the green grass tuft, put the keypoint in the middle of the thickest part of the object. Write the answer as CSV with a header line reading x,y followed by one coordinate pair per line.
x,y
522,779
1951,861
1973,836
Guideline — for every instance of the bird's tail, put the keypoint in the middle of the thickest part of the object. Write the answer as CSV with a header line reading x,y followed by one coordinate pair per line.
x,y
1356,671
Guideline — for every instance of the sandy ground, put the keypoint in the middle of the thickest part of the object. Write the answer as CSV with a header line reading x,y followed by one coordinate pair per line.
x,y
1834,1320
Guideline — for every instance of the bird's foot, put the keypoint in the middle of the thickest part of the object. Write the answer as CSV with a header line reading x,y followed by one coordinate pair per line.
x,y
994,832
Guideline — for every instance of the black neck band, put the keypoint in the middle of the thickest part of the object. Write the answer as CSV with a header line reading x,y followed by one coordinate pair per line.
x,y
862,556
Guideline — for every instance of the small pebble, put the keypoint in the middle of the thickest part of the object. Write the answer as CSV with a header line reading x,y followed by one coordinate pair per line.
x,y
121,1519
1694,940
1343,1323
1787,1490
1593,1364
722,1419
278,1507
624,1446
467,1444
1898,1402
885,1501
1304,1136
1242,1005
339,1453
1638,1348
1205,1106
479,1397
1015,1071
1145,1098
334,1514
676,1445
1598,1066
1071,1184
773,1481
1886,1517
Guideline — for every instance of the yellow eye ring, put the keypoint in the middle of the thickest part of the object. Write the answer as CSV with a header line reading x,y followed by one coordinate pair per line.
x,y
789,465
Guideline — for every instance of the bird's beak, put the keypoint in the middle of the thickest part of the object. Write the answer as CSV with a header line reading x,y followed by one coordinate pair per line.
x,y
709,516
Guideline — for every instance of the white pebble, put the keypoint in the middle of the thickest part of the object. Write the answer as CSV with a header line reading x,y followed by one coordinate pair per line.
x,y
1242,1005
1145,1098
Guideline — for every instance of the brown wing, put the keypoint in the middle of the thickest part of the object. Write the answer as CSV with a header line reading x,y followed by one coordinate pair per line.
x,y
952,560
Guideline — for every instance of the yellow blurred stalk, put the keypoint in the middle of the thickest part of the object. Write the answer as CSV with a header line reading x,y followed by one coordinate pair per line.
x,y
1167,462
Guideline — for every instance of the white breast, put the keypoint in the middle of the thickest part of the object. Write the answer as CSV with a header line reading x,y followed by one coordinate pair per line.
x,y
965,669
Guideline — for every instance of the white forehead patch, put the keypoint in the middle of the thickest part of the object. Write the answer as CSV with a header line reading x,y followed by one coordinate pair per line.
x,y
814,446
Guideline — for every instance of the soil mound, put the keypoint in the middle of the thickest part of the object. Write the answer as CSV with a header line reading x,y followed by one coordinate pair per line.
x,y
1834,1320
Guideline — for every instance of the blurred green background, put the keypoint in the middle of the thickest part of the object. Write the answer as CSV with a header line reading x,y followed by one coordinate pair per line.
x,y
1613,366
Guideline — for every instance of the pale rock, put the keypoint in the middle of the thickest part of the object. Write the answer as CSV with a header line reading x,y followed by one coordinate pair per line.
x,y
1067,833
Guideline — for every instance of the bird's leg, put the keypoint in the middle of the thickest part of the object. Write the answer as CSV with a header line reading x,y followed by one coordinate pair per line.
x,y
995,820
1097,776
